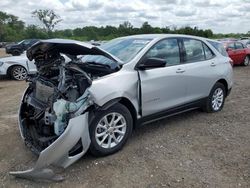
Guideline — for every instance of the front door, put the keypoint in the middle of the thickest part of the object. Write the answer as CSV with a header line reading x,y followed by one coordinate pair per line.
x,y
165,87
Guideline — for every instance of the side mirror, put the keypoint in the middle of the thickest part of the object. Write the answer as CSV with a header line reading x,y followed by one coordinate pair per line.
x,y
229,49
151,63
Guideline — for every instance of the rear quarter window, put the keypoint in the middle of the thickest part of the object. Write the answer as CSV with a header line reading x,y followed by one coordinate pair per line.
x,y
219,47
208,53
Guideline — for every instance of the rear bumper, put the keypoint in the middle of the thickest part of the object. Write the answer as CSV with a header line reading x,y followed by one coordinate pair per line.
x,y
58,152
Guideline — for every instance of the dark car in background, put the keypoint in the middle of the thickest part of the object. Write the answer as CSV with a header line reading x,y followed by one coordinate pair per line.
x,y
246,42
2,44
19,48
238,52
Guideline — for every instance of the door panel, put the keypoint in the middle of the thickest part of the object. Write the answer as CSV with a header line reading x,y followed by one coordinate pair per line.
x,y
200,77
239,53
200,70
162,88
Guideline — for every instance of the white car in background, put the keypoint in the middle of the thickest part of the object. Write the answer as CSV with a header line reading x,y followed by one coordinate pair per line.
x,y
17,67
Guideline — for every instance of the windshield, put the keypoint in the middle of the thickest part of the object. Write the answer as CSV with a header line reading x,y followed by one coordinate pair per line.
x,y
125,49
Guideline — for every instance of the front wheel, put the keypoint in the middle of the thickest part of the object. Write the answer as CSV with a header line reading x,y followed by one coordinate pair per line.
x,y
110,129
246,61
216,99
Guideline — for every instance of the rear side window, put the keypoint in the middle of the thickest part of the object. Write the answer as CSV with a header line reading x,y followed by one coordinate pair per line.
x,y
194,50
219,47
238,46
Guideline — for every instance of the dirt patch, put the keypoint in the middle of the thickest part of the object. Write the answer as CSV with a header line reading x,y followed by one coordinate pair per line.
x,y
194,149
3,53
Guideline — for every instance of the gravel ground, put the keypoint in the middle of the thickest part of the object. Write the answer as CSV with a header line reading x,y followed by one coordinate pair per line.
x,y
194,149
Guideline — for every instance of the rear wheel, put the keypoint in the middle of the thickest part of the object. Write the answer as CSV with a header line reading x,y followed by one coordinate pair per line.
x,y
216,99
246,61
18,73
110,129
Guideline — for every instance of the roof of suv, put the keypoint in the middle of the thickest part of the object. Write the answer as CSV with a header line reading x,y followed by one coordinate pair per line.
x,y
159,36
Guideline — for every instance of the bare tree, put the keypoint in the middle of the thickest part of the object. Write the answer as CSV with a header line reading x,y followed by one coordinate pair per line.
x,y
48,18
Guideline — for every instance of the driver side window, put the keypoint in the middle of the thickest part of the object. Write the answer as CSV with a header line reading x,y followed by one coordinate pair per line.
x,y
167,50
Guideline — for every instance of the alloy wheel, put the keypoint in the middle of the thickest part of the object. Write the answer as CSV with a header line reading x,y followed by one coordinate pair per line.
x,y
217,99
19,73
110,130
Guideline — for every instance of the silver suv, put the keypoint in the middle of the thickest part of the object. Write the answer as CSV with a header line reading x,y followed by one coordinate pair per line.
x,y
94,101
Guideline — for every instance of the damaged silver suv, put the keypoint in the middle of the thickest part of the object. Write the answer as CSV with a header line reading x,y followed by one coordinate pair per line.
x,y
94,99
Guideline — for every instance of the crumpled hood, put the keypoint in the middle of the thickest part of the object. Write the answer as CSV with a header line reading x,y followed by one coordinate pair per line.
x,y
70,47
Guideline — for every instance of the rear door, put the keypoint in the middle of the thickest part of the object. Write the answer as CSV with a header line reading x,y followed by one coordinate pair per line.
x,y
200,69
165,87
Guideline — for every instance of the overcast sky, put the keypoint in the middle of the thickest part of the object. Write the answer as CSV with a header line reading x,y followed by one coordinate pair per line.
x,y
224,16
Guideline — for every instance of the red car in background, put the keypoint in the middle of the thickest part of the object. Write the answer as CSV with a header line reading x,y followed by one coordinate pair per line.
x,y
238,52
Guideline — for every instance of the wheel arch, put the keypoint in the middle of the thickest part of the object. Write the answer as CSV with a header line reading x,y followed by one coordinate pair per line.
x,y
224,82
122,100
126,102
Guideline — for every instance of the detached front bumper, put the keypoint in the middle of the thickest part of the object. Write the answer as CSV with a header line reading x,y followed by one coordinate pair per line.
x,y
58,152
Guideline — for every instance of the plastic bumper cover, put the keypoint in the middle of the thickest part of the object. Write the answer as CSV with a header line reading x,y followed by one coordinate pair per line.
x,y
57,152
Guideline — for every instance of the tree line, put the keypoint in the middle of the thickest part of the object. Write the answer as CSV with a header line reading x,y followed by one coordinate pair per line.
x,y
12,29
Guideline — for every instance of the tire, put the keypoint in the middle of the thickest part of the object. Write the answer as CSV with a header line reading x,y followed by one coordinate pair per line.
x,y
246,61
18,73
108,138
216,99
16,53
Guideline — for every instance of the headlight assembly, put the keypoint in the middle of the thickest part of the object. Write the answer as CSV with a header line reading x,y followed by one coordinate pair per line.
x,y
1,63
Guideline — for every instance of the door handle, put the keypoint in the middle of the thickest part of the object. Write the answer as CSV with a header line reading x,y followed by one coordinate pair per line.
x,y
180,71
213,64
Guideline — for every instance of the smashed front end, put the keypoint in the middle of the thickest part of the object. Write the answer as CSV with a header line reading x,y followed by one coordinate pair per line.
x,y
53,115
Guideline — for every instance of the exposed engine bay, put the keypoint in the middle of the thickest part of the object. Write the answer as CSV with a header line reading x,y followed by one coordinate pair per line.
x,y
57,93
54,110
